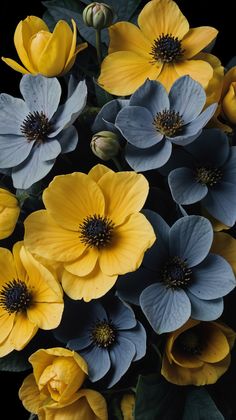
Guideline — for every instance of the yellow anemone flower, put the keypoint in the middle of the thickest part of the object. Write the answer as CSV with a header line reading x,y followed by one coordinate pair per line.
x,y
30,298
43,52
228,99
9,213
162,49
93,226
54,391
197,353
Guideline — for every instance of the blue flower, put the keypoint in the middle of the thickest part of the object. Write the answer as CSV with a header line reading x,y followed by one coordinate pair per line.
x,y
154,120
109,338
179,278
34,131
207,174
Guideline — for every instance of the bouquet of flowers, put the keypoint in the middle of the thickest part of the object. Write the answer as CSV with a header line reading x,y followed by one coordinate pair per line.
x,y
118,207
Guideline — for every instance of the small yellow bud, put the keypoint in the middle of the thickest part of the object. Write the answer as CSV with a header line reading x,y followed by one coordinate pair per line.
x,y
98,15
105,145
229,104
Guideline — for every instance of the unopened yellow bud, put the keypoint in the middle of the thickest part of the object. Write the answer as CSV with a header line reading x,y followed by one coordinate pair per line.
x,y
105,145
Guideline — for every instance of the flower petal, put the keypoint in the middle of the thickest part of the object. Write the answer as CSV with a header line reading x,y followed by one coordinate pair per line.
x,y
130,286
29,394
14,65
168,75
22,332
46,316
216,346
6,325
41,94
123,72
184,187
121,354
106,117
137,336
98,361
220,202
98,171
13,111
205,310
8,270
84,265
197,39
159,252
14,150
190,239
71,46
165,309
68,139
125,36
151,95
199,70
212,279
121,315
146,159
225,245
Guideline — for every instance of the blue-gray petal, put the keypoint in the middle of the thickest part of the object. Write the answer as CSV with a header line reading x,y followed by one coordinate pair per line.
x,y
205,310
229,169
41,93
108,113
121,315
70,110
152,158
190,239
220,202
13,150
138,337
151,95
48,150
156,256
211,147
198,123
212,279
68,139
166,309
98,361
185,138
184,187
136,125
13,112
187,97
121,354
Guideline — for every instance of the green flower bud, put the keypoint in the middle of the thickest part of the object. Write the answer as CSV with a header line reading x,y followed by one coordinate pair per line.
x,y
105,145
98,15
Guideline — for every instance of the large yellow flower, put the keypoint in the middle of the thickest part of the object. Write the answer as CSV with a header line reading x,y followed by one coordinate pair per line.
x,y
93,226
9,213
197,353
30,298
40,51
54,391
162,49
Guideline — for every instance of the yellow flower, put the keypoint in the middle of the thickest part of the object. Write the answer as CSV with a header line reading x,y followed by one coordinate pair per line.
x,y
225,245
93,226
9,213
228,100
163,48
30,298
54,391
127,406
40,51
197,353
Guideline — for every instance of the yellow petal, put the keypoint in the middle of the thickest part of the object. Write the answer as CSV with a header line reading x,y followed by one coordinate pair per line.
x,y
125,36
45,315
8,220
215,345
29,394
8,271
80,195
36,46
124,71
124,192
225,245
98,171
168,76
72,46
22,332
20,269
199,70
92,286
162,17
197,39
174,335
85,264
96,403
128,246
127,406
6,324
229,104
14,65
54,56
8,199
44,237
71,61
215,85
227,331
230,77
6,347
32,25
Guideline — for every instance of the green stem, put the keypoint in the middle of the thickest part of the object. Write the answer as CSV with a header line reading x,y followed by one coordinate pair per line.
x,y
117,163
98,46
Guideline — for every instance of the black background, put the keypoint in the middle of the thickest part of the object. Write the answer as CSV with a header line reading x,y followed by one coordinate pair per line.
x,y
221,15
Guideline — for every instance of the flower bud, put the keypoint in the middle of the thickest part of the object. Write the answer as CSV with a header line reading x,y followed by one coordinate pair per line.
x,y
105,145
229,104
98,15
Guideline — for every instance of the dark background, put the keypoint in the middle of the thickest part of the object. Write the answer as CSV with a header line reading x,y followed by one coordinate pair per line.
x,y
198,12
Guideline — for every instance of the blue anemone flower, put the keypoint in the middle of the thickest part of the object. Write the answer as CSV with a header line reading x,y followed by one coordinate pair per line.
x,y
108,337
154,120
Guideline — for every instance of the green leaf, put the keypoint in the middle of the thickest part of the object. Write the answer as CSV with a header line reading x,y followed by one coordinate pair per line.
x,y
16,361
200,406
158,399
124,9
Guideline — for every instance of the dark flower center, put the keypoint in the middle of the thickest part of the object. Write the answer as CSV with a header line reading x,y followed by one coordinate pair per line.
x,y
168,122
103,334
96,231
36,127
189,342
208,176
15,296
166,49
175,273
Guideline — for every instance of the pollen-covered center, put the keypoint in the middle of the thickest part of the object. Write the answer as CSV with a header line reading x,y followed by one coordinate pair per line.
x,y
36,127
189,342
208,176
96,231
175,273
166,49
15,296
103,334
168,122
